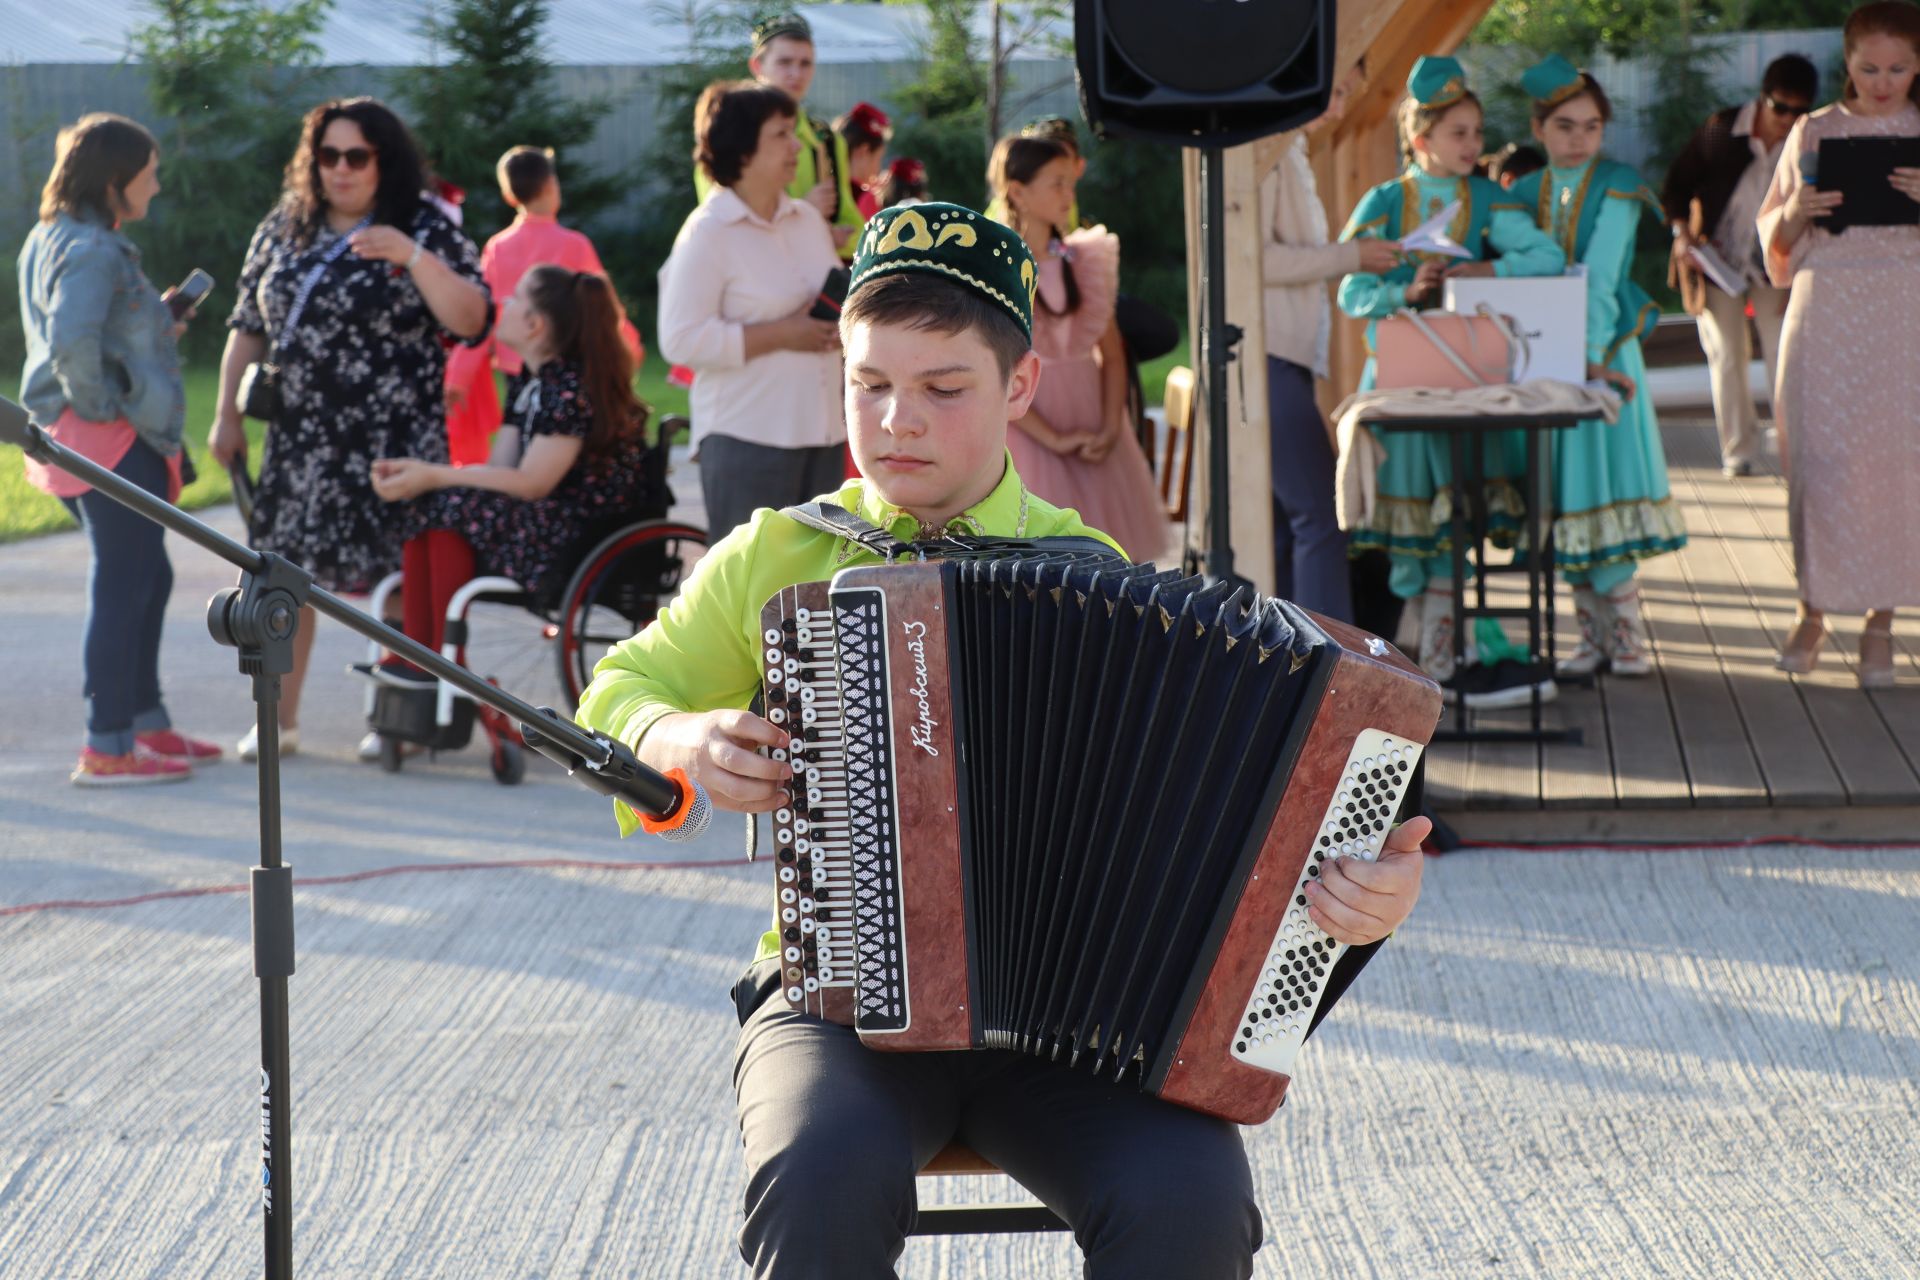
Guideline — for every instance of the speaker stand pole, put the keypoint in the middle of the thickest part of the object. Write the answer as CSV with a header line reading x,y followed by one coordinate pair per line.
x,y
1219,340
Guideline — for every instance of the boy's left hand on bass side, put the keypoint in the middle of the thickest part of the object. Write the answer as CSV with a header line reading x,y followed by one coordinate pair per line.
x,y
1358,902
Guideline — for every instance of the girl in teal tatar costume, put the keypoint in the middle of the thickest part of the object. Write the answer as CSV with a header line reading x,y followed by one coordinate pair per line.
x,y
1613,507
1440,132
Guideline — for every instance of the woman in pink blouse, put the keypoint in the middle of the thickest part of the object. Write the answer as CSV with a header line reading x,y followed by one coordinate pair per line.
x,y
1849,382
734,297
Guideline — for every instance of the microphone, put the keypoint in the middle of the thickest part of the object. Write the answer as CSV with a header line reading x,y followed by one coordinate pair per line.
x,y
670,805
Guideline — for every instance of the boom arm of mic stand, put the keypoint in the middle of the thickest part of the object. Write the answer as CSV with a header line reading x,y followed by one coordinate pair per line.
x,y
669,804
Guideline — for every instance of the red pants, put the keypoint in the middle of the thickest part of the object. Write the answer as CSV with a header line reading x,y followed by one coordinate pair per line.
x,y
434,566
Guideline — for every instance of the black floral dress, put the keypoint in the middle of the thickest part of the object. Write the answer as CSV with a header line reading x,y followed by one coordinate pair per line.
x,y
363,377
528,541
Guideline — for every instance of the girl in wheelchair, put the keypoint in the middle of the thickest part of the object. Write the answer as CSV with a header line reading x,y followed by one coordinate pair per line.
x,y
579,456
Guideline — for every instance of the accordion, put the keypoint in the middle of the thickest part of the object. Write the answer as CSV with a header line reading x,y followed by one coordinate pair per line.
x,y
1067,805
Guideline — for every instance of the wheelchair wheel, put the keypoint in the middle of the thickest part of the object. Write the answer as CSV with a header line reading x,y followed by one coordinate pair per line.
x,y
509,764
619,588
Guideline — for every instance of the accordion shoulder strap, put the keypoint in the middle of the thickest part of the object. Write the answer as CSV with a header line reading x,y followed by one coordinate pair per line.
x,y
842,523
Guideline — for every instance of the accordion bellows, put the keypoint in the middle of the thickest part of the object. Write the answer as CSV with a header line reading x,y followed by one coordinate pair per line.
x,y
1065,805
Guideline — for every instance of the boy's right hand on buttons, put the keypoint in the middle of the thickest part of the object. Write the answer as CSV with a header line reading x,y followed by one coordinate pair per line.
x,y
720,751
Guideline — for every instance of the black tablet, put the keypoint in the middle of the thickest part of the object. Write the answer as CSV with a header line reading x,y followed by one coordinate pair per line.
x,y
1859,168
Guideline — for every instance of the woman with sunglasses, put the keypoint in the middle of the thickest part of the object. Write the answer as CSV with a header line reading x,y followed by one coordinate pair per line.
x,y
1848,399
349,286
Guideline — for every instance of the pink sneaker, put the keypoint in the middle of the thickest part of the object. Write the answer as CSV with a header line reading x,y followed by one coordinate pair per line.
x,y
136,769
178,746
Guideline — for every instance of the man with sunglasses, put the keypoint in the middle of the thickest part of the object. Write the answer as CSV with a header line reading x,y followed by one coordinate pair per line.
x,y
1712,197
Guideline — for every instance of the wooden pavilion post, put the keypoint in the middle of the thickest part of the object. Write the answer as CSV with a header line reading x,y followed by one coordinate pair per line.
x,y
1361,152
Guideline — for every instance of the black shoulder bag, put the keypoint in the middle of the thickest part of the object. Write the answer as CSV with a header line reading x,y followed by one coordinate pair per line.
x,y
260,380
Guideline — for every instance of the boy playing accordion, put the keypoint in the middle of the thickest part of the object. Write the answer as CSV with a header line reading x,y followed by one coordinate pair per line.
x,y
937,330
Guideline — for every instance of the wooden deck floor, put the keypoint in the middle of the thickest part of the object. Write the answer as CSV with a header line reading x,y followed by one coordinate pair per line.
x,y
1716,727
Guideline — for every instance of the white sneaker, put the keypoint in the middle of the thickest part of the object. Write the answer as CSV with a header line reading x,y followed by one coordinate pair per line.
x,y
249,747
369,749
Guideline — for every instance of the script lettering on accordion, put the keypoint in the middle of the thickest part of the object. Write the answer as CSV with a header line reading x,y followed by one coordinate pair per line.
x,y
1273,1028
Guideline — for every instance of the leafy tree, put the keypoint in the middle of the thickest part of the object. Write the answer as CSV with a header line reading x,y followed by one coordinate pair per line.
x,y
228,79
1133,187
494,90
1579,28
715,35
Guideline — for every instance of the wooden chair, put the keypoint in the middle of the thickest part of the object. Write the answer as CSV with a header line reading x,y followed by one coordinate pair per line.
x,y
1176,449
966,1220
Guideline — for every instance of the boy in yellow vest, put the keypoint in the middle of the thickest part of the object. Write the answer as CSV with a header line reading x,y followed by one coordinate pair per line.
x,y
783,57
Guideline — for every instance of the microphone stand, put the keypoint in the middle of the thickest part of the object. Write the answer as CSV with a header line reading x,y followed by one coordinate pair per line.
x,y
259,618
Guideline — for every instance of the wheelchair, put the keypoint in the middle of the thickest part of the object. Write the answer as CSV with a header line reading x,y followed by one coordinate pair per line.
x,y
611,584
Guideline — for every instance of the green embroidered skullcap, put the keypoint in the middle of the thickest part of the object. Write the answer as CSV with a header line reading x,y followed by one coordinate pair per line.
x,y
773,26
1437,82
1552,80
953,243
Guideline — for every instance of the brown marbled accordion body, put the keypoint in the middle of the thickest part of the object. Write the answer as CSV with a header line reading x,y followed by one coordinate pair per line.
x,y
1371,687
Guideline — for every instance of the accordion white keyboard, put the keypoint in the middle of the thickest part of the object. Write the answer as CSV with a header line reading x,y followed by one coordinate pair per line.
x,y
1278,1013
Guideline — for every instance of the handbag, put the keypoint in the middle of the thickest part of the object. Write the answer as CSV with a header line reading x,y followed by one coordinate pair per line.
x,y
260,381
1447,351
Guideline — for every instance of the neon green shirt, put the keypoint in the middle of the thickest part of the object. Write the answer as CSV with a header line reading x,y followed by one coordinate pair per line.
x,y
703,652
807,175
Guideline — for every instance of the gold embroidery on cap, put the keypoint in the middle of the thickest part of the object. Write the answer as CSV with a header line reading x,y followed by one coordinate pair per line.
x,y
908,231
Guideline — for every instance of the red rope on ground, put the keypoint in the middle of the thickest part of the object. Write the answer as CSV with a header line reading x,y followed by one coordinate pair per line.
x,y
411,868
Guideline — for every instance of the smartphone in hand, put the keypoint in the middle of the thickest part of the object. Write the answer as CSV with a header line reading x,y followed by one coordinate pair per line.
x,y
189,293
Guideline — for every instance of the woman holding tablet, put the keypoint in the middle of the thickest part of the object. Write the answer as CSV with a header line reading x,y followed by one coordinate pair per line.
x,y
1849,392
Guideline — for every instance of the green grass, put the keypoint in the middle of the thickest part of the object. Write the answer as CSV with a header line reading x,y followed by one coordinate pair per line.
x,y
1153,374
25,512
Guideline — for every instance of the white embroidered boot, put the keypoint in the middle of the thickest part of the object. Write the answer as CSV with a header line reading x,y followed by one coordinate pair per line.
x,y
1591,653
1436,630
1629,651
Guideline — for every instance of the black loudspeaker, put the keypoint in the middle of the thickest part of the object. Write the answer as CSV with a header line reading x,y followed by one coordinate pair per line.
x,y
1203,72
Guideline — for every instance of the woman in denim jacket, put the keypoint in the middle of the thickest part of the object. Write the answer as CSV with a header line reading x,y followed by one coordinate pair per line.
x,y
102,377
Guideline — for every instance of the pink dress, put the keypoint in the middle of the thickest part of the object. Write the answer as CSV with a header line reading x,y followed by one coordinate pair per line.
x,y
1849,388
1118,495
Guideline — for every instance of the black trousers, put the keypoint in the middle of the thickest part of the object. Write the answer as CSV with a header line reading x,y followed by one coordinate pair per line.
x,y
835,1133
